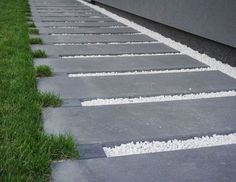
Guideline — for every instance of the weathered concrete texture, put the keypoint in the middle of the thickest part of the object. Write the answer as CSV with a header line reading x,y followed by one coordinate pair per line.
x,y
95,38
137,85
84,30
71,50
125,123
121,63
214,164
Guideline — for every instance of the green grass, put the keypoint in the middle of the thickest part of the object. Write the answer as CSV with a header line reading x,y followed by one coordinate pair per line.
x,y
28,13
31,24
39,54
26,152
43,71
36,40
50,99
33,31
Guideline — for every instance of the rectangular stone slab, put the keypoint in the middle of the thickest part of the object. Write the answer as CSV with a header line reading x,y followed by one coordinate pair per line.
x,y
67,14
55,5
42,17
52,10
46,8
212,164
140,122
62,19
95,38
60,10
71,9
84,16
120,64
84,30
111,49
70,24
137,85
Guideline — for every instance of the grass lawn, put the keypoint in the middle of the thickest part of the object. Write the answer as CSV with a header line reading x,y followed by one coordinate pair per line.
x,y
25,151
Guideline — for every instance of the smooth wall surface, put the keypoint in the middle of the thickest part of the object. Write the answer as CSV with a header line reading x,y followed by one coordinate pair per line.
x,y
212,19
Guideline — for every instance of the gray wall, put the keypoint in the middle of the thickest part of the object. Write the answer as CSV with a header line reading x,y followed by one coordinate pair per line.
x,y
212,19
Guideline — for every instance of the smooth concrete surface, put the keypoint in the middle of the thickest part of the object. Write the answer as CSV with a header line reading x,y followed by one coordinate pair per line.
x,y
112,49
138,122
95,18
212,19
95,38
66,13
86,24
213,164
137,85
70,24
85,30
120,64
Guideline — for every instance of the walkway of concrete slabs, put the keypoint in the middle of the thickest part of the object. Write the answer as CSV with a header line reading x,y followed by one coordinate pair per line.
x,y
69,28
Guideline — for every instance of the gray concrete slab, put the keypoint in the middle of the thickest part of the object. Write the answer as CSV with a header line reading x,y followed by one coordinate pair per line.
x,y
44,10
137,85
47,6
86,16
68,13
51,9
212,164
95,38
121,63
111,49
87,30
63,19
56,5
69,24
53,4
140,122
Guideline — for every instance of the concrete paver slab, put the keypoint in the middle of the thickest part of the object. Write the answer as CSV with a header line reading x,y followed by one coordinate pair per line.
x,y
84,30
121,63
71,24
113,49
139,122
137,85
95,38
213,164
87,24
63,19
82,17
66,14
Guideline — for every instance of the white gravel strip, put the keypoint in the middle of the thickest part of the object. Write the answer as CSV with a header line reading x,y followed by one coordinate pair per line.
x,y
213,63
107,43
98,74
171,145
161,98
119,55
